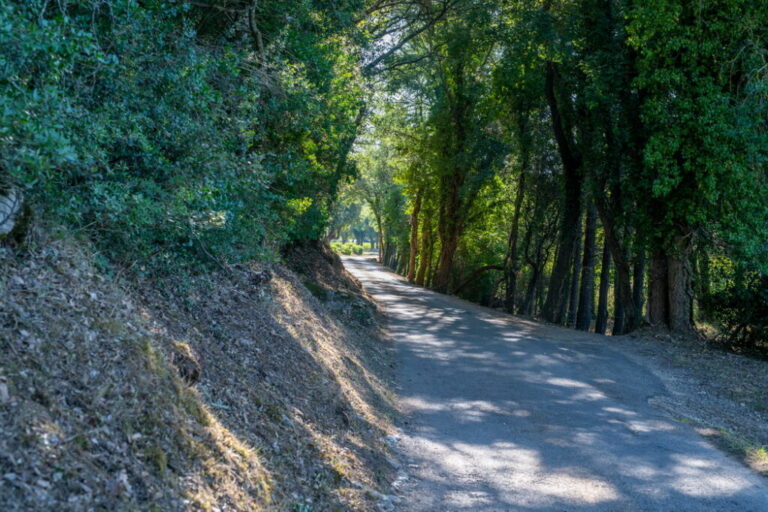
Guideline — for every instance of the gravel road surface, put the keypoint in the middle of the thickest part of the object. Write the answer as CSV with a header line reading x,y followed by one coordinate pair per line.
x,y
505,414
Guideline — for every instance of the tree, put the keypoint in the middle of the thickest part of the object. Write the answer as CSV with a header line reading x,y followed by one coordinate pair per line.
x,y
701,168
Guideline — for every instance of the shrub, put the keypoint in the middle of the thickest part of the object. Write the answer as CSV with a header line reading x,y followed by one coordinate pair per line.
x,y
123,119
742,311
347,248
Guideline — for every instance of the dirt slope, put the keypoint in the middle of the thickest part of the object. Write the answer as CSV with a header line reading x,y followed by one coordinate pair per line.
x,y
235,391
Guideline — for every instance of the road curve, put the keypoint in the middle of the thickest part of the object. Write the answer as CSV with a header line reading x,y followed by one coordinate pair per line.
x,y
503,414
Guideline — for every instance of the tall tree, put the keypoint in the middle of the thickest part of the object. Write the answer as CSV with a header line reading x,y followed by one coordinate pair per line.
x,y
586,293
695,71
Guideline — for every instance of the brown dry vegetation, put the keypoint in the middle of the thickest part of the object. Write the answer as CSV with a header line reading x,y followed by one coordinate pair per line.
x,y
725,395
235,391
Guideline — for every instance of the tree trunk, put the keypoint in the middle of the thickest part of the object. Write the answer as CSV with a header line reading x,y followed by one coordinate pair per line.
x,y
554,309
511,270
15,214
380,234
601,323
658,292
539,303
703,284
414,236
448,248
586,296
426,250
619,311
573,296
623,272
390,255
638,285
430,260
680,286
530,292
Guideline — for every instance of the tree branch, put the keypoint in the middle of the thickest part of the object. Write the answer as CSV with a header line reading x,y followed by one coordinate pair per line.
x,y
370,67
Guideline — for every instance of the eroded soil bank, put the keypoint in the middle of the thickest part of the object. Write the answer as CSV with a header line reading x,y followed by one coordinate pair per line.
x,y
256,387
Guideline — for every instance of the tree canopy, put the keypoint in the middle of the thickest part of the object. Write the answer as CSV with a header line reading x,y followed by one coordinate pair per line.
x,y
590,162
595,163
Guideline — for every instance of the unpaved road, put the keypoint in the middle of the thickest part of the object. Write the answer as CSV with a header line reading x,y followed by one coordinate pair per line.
x,y
503,414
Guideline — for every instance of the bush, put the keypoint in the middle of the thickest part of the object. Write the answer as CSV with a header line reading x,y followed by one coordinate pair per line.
x,y
347,249
742,311
121,118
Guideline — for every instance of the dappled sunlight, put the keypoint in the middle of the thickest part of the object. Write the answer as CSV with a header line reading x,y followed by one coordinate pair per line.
x,y
648,426
567,383
533,484
694,477
513,415
619,410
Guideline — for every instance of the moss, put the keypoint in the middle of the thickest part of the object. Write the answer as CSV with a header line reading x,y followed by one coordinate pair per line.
x,y
147,424
192,406
274,413
153,358
110,326
82,442
155,456
317,290
201,415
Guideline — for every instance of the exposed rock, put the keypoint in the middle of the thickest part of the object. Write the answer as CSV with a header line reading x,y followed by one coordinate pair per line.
x,y
14,214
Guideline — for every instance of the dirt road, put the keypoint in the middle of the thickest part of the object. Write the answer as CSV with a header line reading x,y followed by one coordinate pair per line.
x,y
503,414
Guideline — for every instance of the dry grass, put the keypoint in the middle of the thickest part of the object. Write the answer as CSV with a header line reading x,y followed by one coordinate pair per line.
x,y
99,407
724,394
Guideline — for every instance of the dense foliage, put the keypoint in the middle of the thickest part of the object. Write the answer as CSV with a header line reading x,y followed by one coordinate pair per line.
x,y
597,163
594,163
347,248
179,134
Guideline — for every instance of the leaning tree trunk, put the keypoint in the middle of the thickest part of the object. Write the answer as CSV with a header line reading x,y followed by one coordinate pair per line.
x,y
512,260
586,296
414,236
601,323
